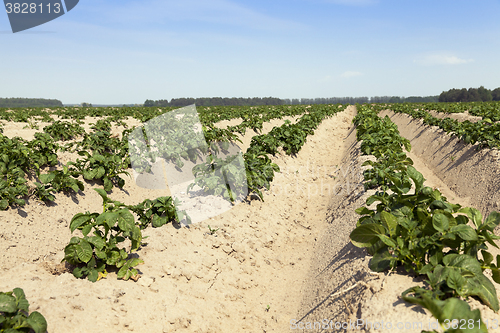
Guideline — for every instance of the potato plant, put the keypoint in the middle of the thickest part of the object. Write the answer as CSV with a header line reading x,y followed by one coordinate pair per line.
x,y
43,151
259,171
63,180
105,167
93,255
157,212
15,316
63,130
43,192
216,175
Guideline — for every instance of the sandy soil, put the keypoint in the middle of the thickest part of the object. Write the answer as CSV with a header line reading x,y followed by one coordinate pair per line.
x,y
271,265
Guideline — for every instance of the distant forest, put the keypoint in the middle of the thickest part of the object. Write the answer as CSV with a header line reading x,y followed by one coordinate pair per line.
x,y
480,94
215,101
28,102
219,101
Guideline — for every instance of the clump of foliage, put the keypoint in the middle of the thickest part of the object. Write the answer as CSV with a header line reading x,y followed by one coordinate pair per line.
x,y
63,130
259,171
14,163
157,212
15,316
94,254
43,150
104,167
43,192
63,180
216,176
101,125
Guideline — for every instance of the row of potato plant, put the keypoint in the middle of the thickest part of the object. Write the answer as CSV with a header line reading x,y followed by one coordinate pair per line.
x,y
485,132
105,157
416,227
485,110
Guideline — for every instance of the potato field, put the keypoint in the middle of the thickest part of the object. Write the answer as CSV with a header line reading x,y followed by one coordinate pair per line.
x,y
343,218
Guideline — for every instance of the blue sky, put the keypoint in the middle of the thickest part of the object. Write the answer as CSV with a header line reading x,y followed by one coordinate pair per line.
x,y
127,51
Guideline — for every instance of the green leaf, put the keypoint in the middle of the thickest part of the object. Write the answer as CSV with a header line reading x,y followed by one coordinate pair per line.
x,y
89,174
126,272
416,176
465,232
84,251
100,172
487,257
482,287
455,280
7,303
389,221
474,215
93,275
86,229
382,260
454,308
75,187
158,221
440,222
496,275
366,234
108,185
491,222
37,322
108,218
486,234
447,310
98,242
477,284
126,220
47,178
387,241
78,220
464,262
363,211
461,219
103,194
4,204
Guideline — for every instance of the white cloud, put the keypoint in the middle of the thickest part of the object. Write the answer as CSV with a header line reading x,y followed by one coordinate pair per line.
x,y
441,59
349,74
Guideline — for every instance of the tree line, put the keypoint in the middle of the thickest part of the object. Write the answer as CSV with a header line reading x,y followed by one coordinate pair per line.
x,y
480,94
215,101
219,101
361,100
28,102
